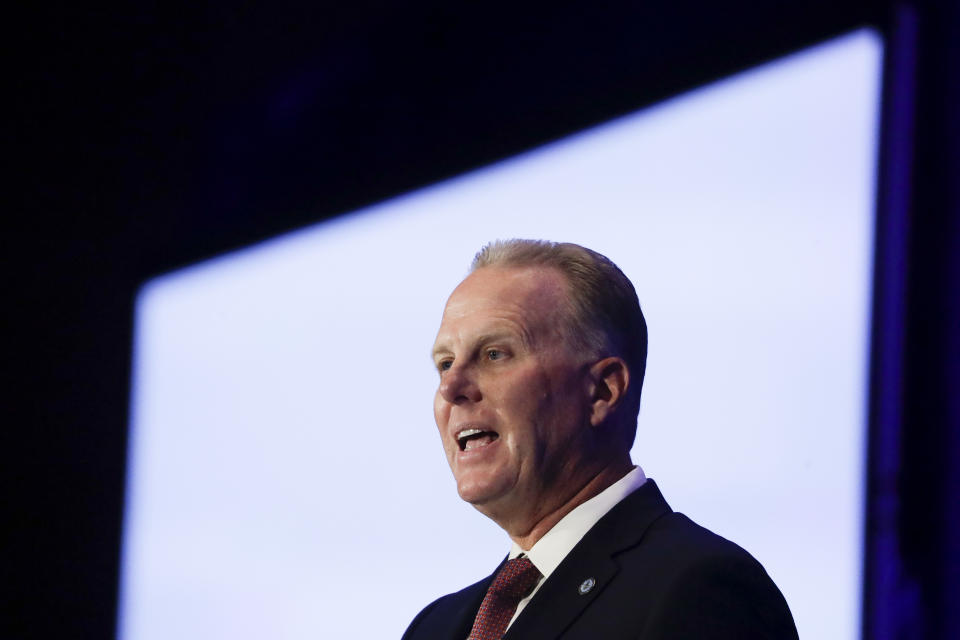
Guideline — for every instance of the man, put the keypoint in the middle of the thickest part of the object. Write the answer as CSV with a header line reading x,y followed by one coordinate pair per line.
x,y
541,355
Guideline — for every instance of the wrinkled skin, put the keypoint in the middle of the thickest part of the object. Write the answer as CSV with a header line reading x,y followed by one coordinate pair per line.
x,y
506,368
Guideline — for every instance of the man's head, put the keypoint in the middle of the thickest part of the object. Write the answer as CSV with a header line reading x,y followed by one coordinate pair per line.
x,y
604,312
540,353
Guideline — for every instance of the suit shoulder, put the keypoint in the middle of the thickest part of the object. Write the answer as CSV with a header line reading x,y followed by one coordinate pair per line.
x,y
679,537
683,550
708,584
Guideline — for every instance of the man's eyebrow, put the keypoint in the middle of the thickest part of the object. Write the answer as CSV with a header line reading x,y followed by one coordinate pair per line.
x,y
495,336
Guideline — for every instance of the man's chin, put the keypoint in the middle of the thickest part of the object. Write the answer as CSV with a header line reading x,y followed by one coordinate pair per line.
x,y
475,496
481,494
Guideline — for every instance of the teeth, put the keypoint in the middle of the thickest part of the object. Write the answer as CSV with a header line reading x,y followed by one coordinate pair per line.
x,y
466,433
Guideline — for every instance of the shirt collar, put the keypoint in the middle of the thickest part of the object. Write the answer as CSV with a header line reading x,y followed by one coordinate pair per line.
x,y
550,550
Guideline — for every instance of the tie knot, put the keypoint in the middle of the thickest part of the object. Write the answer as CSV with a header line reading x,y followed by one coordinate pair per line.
x,y
513,583
516,579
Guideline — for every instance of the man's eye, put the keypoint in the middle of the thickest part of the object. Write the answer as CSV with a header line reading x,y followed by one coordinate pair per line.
x,y
494,354
443,365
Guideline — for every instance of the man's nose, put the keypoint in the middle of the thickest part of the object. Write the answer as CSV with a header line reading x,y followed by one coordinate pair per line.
x,y
458,385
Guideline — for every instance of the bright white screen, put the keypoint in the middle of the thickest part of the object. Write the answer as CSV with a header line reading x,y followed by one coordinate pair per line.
x,y
286,477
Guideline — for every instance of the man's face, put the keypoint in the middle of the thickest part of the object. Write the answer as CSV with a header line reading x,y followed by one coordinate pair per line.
x,y
513,401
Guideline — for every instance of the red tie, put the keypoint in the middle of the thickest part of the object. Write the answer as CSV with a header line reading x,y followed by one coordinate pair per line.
x,y
512,584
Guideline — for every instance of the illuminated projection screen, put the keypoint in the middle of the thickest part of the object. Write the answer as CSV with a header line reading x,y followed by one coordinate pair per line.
x,y
285,470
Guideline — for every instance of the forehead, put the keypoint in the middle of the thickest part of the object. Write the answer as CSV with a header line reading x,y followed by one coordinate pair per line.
x,y
534,297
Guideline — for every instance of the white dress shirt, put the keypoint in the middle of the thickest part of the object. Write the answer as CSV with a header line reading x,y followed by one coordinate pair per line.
x,y
550,550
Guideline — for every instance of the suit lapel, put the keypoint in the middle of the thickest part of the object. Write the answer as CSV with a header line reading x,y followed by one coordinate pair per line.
x,y
559,601
466,612
585,573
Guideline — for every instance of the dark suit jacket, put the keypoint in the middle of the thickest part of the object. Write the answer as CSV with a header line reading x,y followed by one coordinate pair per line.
x,y
657,575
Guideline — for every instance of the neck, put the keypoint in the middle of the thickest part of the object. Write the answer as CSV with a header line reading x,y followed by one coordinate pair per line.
x,y
527,534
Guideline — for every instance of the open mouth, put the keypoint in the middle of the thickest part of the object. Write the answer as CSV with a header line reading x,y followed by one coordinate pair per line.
x,y
475,438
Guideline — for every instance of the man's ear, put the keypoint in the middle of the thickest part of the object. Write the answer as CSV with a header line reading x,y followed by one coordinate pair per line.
x,y
610,379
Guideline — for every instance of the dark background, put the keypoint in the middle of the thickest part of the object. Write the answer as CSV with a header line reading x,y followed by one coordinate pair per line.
x,y
145,136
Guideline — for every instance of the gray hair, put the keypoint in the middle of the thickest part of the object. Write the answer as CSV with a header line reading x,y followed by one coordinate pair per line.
x,y
605,314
